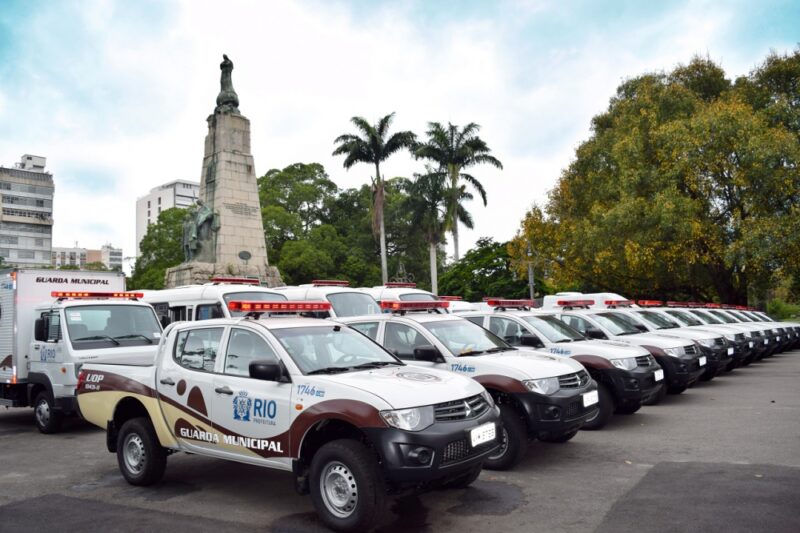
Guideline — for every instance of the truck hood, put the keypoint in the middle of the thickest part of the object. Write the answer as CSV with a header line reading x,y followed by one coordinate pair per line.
x,y
523,363
120,355
409,386
659,340
599,348
685,333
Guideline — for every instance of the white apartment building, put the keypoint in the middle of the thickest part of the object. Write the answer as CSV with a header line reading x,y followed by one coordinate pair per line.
x,y
26,217
76,256
178,193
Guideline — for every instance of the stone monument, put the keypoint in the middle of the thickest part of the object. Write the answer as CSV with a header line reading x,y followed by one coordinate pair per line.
x,y
223,234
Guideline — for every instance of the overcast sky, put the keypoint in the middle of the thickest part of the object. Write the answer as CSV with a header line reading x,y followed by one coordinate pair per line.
x,y
116,94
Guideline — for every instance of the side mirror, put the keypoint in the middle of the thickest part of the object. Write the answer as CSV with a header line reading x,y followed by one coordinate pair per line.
x,y
531,341
39,330
428,353
595,334
165,321
268,370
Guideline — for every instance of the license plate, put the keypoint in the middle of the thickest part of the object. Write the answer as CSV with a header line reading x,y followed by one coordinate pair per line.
x,y
751,344
590,398
730,351
766,341
703,361
481,434
777,338
658,375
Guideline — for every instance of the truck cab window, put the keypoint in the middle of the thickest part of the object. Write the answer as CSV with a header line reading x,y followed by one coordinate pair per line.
x,y
370,329
475,320
209,311
401,340
178,314
506,329
197,349
244,347
53,326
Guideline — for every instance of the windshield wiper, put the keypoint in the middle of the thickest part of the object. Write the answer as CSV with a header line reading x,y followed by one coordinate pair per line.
x,y
376,364
99,338
134,335
329,370
471,353
564,340
500,349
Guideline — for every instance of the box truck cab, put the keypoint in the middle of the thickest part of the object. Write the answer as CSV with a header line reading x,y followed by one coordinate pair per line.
x,y
52,322
209,300
345,300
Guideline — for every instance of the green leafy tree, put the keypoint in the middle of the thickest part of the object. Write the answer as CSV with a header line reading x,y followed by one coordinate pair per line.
x,y
372,144
428,206
453,150
161,248
485,270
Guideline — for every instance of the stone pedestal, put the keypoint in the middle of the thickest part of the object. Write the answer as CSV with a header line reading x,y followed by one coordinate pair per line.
x,y
195,273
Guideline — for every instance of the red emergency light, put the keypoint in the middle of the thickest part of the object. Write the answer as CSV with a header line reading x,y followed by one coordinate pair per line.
x,y
330,283
236,281
79,294
401,285
713,306
451,298
575,303
742,308
650,303
247,306
499,302
395,305
618,303
487,298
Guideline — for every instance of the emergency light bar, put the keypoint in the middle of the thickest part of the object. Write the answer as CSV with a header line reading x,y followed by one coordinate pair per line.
x,y
618,303
499,302
487,298
71,294
237,281
277,307
685,304
330,283
575,303
713,306
742,308
650,303
401,285
394,305
728,306
451,298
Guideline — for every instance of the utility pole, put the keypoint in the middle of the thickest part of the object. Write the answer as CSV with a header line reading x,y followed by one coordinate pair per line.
x,y
530,271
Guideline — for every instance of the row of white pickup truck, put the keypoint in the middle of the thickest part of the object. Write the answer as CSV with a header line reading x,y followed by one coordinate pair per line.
x,y
359,392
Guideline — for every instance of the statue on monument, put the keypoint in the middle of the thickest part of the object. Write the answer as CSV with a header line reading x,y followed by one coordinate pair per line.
x,y
227,100
200,227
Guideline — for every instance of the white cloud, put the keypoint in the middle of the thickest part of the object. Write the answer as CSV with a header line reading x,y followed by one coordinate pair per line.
x,y
302,70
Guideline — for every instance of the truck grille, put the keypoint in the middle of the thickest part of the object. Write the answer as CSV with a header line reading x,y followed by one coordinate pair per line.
x,y
719,341
645,361
471,407
690,349
460,449
574,381
574,409
738,337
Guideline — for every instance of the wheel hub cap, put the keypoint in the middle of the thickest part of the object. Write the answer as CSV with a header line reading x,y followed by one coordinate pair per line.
x,y
134,453
338,489
43,413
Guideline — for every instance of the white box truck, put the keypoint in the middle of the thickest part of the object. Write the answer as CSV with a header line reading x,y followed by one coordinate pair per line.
x,y
52,322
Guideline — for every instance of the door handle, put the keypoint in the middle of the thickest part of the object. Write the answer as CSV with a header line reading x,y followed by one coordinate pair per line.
x,y
223,390
167,381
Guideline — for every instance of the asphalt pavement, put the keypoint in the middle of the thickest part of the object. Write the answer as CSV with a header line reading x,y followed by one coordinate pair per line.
x,y
722,456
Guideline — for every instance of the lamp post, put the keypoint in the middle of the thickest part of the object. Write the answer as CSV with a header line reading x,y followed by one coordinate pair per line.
x,y
530,272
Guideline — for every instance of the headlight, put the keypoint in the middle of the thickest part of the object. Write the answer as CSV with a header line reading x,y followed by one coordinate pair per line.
x,y
708,343
675,352
414,419
545,386
629,363
488,398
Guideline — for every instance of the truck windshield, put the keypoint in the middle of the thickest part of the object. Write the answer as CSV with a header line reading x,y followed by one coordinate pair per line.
x,y
253,295
657,320
617,324
723,316
108,326
554,329
332,349
462,337
687,319
706,316
353,304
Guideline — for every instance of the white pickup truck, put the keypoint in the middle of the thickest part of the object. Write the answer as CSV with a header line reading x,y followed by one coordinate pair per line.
x,y
309,396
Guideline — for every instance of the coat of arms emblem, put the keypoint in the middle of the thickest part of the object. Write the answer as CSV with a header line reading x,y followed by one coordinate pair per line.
x,y
241,407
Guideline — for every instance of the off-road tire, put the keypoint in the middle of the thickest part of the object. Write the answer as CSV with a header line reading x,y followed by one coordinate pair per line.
x,y
348,461
605,408
48,419
137,440
514,437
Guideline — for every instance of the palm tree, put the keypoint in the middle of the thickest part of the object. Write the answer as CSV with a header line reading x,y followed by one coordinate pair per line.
x,y
453,150
428,197
373,145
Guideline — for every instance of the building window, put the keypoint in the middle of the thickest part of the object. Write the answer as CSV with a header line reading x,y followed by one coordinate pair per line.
x,y
148,204
38,242
26,254
159,210
9,240
159,200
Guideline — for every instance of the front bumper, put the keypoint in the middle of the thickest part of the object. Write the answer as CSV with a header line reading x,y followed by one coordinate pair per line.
x,y
448,444
632,386
680,372
557,414
717,360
